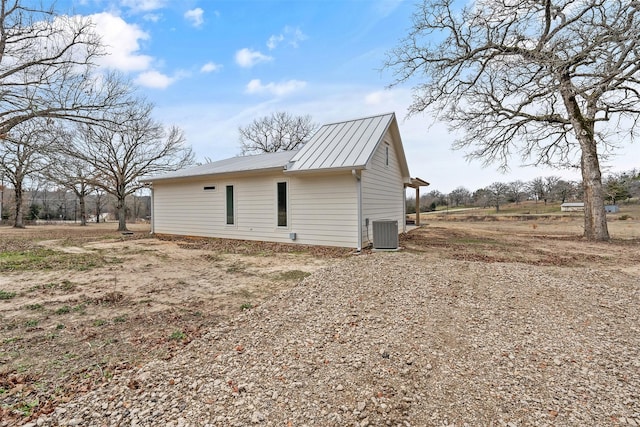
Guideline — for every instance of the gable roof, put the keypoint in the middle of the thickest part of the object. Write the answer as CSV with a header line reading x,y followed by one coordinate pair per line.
x,y
348,145
336,146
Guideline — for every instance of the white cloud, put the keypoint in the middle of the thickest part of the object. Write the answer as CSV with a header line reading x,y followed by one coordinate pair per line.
x,y
154,79
122,43
143,5
247,58
152,17
295,35
291,35
195,17
255,86
273,41
210,67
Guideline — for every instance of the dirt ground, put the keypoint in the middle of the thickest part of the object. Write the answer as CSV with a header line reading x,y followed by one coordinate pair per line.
x,y
79,304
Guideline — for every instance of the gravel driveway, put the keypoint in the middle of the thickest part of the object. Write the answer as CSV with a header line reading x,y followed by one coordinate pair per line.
x,y
401,339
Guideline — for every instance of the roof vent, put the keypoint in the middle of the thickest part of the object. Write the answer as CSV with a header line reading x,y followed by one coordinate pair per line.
x,y
385,234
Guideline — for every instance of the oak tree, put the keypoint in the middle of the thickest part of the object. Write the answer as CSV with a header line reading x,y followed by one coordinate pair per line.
x,y
48,75
555,81
23,155
134,145
73,174
48,69
279,131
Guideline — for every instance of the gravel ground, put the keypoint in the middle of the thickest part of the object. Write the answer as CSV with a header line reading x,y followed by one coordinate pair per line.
x,y
401,339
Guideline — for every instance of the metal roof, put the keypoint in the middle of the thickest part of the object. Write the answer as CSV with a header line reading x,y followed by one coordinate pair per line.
x,y
256,162
342,145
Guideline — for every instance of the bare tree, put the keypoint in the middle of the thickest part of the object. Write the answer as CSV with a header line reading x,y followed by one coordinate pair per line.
x,y
47,68
538,189
515,191
278,132
47,74
550,186
433,199
565,190
23,152
74,174
551,79
497,193
617,187
460,195
482,197
100,201
634,185
122,153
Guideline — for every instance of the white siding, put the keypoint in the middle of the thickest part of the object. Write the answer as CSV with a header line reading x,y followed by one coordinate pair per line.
x,y
322,209
382,190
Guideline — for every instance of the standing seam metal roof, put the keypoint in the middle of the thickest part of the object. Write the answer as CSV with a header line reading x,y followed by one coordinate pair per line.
x,y
347,144
343,145
234,164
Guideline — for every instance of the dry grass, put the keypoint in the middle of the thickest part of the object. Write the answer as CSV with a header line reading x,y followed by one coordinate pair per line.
x,y
87,303
80,304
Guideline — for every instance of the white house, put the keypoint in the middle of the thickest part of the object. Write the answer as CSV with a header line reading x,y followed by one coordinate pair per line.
x,y
327,193
572,207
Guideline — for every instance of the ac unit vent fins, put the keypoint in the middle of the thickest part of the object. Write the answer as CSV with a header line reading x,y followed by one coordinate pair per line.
x,y
385,234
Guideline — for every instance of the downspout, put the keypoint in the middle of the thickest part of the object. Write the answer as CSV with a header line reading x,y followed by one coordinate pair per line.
x,y
359,194
404,209
153,217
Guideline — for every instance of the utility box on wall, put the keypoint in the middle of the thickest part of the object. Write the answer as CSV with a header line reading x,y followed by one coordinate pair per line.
x,y
385,234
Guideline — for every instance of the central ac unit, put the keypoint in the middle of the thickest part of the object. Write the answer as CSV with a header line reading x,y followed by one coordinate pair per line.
x,y
385,234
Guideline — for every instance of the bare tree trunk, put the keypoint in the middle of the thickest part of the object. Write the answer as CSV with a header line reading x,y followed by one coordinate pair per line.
x,y
122,214
595,217
18,223
98,206
83,211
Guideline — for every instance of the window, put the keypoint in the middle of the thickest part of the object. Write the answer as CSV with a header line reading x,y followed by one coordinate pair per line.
x,y
209,188
230,212
282,204
386,161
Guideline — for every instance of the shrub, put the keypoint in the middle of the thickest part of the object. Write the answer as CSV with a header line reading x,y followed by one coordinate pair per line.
x,y
63,310
177,335
6,295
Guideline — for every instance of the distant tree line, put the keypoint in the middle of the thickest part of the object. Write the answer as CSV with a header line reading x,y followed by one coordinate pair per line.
x,y
54,204
618,187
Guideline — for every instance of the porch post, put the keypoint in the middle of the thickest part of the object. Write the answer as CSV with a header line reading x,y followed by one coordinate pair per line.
x,y
417,205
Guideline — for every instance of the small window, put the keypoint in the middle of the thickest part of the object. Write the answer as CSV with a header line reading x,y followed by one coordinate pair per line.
x,y
386,161
209,188
282,204
230,211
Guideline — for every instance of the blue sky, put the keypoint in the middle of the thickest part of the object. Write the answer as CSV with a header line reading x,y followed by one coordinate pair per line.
x,y
212,66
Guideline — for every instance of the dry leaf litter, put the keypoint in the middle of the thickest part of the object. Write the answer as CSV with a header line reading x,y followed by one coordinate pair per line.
x,y
400,339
